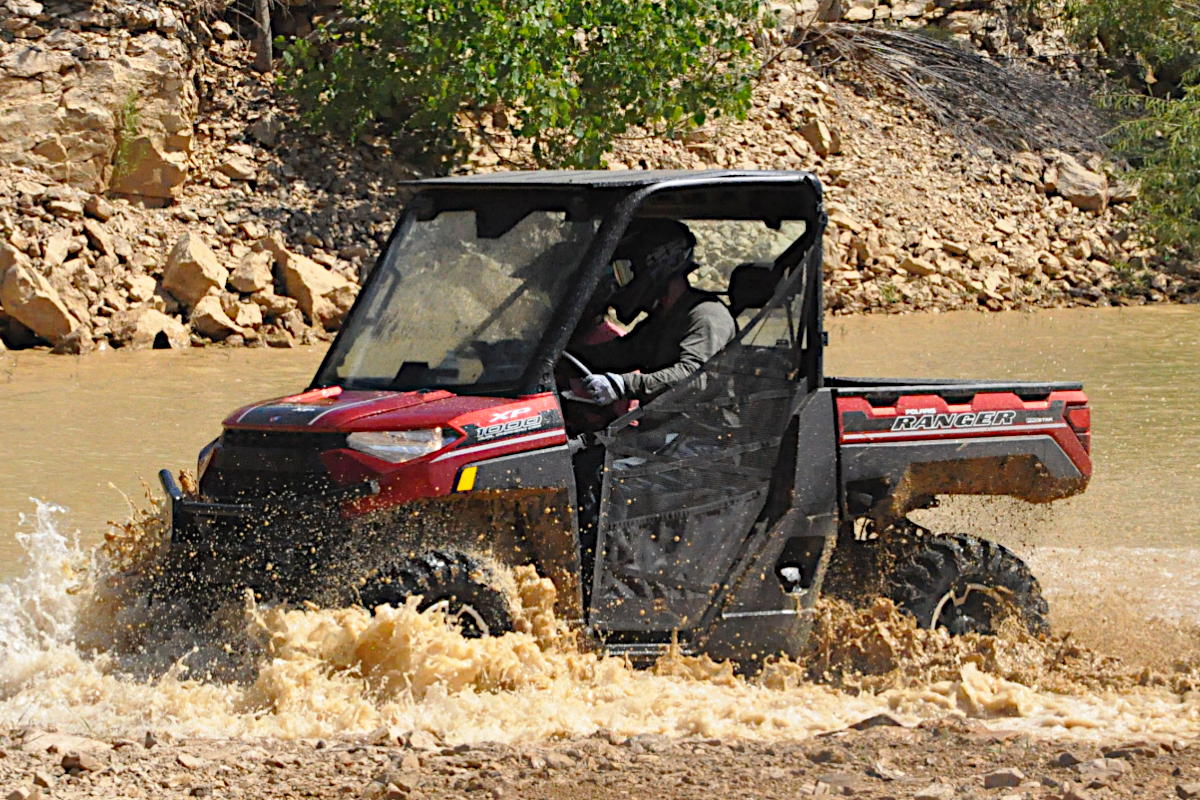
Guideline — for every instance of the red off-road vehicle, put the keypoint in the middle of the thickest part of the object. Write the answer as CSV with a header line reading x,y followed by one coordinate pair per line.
x,y
441,441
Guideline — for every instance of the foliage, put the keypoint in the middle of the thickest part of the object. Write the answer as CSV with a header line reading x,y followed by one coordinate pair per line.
x,y
1163,141
1154,46
1160,39
128,118
569,75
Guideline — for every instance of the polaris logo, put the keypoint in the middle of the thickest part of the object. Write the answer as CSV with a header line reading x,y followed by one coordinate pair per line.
x,y
968,419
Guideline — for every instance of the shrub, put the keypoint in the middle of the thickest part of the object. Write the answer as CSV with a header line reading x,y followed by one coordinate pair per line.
x,y
128,117
1154,45
1162,141
569,75
1158,40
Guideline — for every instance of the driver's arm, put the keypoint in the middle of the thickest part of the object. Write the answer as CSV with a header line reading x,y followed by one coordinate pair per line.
x,y
620,354
709,328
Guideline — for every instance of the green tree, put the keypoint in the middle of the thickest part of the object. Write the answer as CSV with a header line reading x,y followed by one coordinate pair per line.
x,y
1153,41
569,75
1154,45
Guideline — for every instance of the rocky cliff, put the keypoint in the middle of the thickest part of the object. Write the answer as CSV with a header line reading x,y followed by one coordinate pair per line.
x,y
157,192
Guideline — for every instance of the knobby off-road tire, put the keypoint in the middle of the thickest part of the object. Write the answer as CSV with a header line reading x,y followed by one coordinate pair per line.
x,y
966,585
467,587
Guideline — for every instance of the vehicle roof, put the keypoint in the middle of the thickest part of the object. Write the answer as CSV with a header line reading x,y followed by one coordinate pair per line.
x,y
606,179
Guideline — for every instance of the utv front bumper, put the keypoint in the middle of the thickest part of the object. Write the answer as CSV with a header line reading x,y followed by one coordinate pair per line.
x,y
259,544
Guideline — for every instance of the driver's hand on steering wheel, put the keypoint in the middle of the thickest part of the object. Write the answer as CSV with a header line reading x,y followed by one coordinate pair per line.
x,y
605,389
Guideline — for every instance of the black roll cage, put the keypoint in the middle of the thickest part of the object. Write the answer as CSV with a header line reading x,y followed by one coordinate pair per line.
x,y
618,197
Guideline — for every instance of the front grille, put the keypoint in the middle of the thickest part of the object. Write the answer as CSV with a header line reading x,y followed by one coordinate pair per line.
x,y
283,440
263,465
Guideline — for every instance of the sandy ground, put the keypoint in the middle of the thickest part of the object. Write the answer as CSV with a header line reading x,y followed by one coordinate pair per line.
x,y
936,760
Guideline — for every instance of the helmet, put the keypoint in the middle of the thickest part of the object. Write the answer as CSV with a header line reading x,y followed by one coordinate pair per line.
x,y
652,252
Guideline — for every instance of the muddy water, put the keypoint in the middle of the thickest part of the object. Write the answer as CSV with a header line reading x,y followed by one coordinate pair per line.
x,y
1112,561
77,432
1139,367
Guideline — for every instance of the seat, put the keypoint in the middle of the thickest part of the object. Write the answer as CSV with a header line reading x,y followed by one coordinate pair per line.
x,y
751,286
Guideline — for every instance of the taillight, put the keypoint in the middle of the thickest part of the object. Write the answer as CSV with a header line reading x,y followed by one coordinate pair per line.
x,y
1080,420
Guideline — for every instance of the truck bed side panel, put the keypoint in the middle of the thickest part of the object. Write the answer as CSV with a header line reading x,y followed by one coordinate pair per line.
x,y
901,444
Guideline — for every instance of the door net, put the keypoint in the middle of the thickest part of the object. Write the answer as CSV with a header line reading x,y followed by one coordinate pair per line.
x,y
685,481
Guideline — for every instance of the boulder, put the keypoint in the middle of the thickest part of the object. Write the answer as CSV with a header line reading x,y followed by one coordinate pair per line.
x,y
141,288
209,319
63,280
1123,191
148,171
1028,167
49,742
238,168
30,299
820,136
253,274
141,328
1003,778
963,22
248,315
75,343
266,130
343,299
101,239
917,266
1085,189
192,270
273,305
67,209
56,249
31,61
308,282
96,206
31,189
788,15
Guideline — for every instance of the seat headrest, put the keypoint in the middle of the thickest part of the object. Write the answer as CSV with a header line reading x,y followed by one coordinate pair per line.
x,y
751,285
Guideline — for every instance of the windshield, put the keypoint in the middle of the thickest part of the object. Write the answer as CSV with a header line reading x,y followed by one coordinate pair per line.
x,y
453,308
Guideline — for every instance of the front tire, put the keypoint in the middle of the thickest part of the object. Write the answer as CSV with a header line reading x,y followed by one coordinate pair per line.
x,y
966,585
468,588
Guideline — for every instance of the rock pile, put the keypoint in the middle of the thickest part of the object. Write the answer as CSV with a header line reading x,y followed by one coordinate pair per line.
x,y
920,220
985,24
141,202
155,191
77,270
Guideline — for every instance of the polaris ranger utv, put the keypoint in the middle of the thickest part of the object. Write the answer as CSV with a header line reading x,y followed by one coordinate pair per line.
x,y
443,436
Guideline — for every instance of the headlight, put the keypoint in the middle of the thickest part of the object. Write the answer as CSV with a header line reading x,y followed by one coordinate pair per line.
x,y
397,446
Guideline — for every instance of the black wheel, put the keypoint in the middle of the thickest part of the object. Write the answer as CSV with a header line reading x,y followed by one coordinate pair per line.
x,y
965,585
466,587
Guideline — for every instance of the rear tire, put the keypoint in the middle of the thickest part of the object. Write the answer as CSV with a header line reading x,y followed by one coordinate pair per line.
x,y
966,585
467,587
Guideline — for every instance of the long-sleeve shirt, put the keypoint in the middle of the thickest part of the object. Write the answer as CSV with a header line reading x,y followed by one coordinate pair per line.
x,y
668,346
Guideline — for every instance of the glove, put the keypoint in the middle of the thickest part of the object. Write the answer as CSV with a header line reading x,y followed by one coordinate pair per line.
x,y
605,389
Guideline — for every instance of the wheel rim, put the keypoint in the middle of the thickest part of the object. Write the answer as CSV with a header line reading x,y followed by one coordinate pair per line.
x,y
470,621
983,611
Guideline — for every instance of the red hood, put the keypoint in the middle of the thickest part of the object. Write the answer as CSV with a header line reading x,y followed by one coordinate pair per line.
x,y
360,411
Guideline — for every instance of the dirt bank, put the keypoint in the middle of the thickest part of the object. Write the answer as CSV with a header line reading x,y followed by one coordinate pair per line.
x,y
155,191
936,760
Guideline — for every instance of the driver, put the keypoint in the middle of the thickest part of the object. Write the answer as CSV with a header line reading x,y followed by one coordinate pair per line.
x,y
684,326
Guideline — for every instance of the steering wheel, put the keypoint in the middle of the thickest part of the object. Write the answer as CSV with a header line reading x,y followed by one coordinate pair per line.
x,y
581,368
